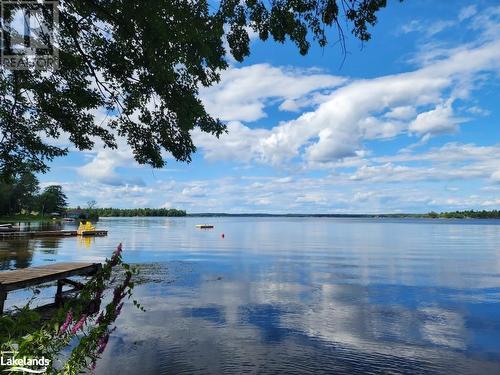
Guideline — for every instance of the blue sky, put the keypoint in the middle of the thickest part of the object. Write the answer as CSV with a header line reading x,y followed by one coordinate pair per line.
x,y
409,122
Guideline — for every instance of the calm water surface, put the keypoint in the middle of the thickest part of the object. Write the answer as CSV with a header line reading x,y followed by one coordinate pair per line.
x,y
297,295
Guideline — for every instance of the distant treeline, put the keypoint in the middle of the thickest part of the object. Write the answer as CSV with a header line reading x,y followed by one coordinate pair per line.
x,y
128,212
469,214
353,216
494,214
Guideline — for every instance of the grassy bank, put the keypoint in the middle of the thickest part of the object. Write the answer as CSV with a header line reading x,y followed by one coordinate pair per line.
x,y
23,218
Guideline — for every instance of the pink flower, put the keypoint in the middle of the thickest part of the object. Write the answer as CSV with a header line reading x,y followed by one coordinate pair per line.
x,y
118,250
118,294
79,325
69,319
103,341
116,255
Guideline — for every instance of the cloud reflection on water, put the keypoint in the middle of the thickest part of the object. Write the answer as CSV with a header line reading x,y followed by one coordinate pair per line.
x,y
223,326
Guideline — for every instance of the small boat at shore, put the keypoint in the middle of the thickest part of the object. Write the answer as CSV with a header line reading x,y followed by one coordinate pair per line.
x,y
204,226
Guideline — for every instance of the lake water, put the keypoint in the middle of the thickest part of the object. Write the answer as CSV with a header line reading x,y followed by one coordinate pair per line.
x,y
297,295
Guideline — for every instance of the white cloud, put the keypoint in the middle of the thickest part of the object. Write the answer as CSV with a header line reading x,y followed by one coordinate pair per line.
x,y
450,162
243,93
431,28
126,195
361,110
194,191
428,29
438,120
467,12
401,113
317,198
487,22
476,110
102,167
376,189
495,176
412,26
398,173
240,142
438,26
450,152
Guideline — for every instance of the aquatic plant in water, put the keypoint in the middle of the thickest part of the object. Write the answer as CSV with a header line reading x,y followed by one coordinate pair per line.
x,y
80,327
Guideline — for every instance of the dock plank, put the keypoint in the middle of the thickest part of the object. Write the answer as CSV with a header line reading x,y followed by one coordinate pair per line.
x,y
21,278
26,277
51,233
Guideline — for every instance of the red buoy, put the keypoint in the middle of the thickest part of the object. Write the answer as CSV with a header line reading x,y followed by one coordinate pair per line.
x,y
222,235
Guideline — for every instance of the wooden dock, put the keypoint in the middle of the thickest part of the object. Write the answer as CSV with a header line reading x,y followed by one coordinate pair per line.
x,y
51,233
26,277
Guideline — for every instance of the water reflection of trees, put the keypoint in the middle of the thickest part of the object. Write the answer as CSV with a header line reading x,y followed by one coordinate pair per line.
x,y
16,254
48,245
40,225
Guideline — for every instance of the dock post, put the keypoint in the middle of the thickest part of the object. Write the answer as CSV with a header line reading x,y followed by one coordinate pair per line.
x,y
58,297
3,297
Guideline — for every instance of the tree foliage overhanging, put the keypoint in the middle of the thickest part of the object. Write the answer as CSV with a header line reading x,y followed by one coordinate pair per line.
x,y
133,69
